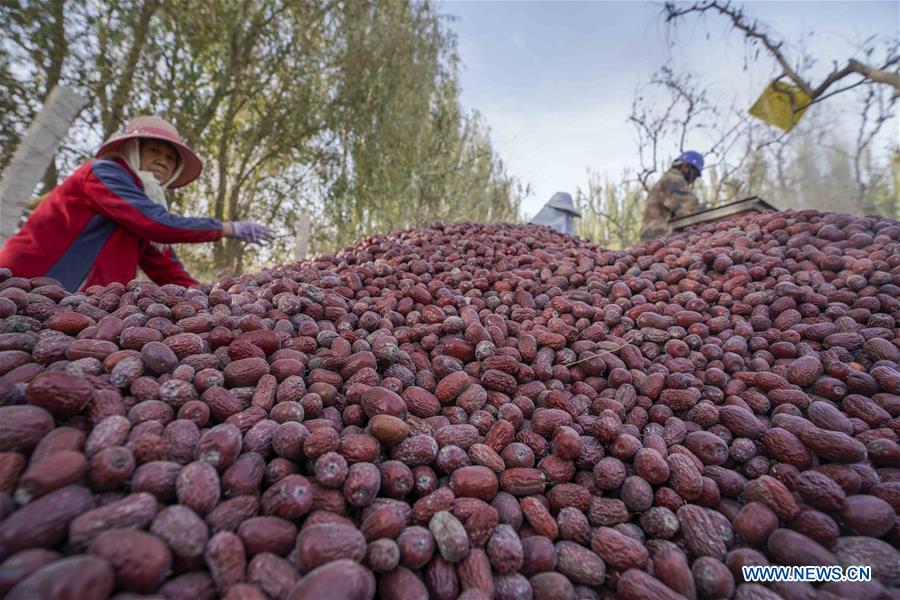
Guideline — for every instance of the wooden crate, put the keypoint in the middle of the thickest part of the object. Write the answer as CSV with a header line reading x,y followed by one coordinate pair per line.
x,y
727,211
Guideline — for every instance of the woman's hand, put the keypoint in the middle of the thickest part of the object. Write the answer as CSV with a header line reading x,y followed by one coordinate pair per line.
x,y
246,231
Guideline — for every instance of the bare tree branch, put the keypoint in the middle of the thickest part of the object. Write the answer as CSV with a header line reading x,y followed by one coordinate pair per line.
x,y
753,31
876,112
876,74
652,126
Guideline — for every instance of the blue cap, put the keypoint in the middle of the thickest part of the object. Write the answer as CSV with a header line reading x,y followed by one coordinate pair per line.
x,y
695,159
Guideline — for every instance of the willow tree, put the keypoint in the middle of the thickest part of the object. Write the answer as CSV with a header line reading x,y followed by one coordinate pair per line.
x,y
242,81
11,104
406,154
611,210
36,37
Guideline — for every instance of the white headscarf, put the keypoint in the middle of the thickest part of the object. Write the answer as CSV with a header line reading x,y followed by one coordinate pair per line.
x,y
130,152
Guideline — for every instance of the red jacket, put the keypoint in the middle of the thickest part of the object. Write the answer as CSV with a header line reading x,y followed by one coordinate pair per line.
x,y
96,228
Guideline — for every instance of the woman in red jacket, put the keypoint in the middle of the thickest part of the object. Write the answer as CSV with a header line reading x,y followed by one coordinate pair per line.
x,y
110,216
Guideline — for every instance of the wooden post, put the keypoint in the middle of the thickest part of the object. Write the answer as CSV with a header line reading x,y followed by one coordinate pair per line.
x,y
34,154
302,237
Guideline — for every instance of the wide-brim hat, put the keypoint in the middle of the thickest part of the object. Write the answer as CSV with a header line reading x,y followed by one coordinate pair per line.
x,y
563,201
156,128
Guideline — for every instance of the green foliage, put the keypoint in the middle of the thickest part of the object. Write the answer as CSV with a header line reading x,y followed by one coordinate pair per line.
x,y
409,155
883,197
10,109
611,210
346,110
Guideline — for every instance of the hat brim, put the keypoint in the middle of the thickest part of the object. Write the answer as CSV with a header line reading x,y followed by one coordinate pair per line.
x,y
565,208
191,170
569,210
678,162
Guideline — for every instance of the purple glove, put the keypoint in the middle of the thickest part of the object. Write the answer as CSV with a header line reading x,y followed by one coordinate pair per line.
x,y
253,233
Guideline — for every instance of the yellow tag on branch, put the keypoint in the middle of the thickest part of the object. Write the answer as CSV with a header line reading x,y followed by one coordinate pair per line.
x,y
781,105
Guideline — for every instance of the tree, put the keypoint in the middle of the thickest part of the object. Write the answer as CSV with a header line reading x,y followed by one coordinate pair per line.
x,y
611,210
11,109
884,72
669,107
872,73
123,30
673,108
347,111
406,154
249,99
36,30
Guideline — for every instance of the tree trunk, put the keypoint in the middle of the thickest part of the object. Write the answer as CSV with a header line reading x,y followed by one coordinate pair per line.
x,y
59,50
116,114
204,117
221,250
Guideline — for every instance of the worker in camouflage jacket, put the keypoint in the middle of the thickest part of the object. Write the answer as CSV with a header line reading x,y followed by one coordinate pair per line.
x,y
672,197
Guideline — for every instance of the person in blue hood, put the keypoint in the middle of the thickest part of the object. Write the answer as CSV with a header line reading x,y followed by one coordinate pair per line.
x,y
559,213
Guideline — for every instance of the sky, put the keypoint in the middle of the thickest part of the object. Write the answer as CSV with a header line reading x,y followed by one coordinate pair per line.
x,y
554,80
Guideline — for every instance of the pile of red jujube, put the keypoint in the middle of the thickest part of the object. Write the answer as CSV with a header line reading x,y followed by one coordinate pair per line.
x,y
465,411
